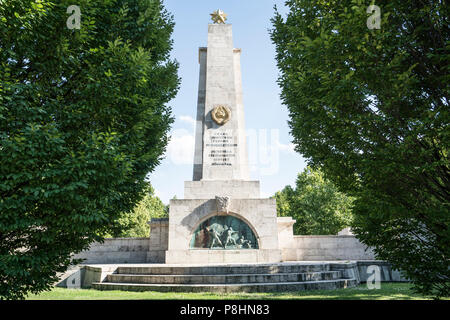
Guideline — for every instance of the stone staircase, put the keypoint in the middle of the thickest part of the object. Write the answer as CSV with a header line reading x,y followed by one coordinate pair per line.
x,y
227,278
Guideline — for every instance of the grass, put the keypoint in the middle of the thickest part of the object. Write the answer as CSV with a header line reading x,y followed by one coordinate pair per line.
x,y
388,291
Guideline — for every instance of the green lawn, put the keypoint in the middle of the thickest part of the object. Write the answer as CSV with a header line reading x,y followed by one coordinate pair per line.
x,y
388,291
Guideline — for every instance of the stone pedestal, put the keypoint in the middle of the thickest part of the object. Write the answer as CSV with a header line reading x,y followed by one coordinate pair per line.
x,y
158,242
286,241
235,189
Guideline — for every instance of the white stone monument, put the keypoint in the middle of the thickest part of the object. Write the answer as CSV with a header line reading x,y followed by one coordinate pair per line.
x,y
222,218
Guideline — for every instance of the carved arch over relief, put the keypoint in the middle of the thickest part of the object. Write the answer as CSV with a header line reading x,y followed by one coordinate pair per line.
x,y
219,232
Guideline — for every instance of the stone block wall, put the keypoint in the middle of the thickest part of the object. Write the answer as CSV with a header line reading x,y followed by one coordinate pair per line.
x,y
387,273
326,248
131,250
116,250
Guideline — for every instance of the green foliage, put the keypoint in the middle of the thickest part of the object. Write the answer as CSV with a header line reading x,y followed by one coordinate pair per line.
x,y
134,224
370,107
316,204
83,119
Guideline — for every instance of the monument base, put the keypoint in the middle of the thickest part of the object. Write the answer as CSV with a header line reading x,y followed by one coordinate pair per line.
x,y
256,218
205,256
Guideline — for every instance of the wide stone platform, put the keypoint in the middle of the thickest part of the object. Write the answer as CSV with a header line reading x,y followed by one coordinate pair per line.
x,y
229,277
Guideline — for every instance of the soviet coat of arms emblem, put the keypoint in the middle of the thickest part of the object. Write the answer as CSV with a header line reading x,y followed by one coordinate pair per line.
x,y
221,114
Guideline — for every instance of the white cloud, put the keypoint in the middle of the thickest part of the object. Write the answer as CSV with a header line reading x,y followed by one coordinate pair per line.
x,y
265,194
288,148
181,147
188,120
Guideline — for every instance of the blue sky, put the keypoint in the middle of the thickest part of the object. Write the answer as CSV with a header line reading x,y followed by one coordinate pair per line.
x,y
272,158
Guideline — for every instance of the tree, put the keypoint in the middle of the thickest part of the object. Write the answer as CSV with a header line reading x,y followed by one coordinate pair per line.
x,y
83,120
316,204
135,223
370,107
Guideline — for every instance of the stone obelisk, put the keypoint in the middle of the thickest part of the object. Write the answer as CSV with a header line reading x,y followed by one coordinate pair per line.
x,y
222,218
220,151
220,159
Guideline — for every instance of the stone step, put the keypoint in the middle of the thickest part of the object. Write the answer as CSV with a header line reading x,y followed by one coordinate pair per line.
x,y
225,269
226,288
223,278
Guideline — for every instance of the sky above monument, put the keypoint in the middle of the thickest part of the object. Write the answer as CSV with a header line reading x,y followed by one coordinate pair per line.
x,y
272,158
